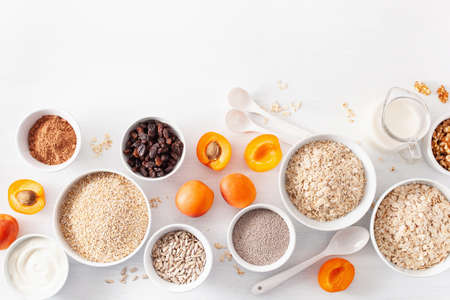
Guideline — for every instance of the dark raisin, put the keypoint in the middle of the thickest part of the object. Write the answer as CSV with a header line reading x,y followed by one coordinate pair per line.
x,y
135,152
160,127
153,151
165,133
143,171
127,151
141,150
158,161
139,130
133,135
160,174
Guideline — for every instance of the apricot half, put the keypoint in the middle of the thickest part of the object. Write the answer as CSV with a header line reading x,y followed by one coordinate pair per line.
x,y
263,153
26,196
214,151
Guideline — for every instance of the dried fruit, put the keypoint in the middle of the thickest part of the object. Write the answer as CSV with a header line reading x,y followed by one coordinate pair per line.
x,y
194,198
26,196
238,190
440,144
9,228
263,153
336,275
153,149
214,151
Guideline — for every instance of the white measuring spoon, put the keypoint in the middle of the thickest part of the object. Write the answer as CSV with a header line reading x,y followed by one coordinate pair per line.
x,y
239,121
240,99
344,242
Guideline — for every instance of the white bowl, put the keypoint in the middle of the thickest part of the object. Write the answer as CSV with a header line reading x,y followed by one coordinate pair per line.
x,y
353,216
429,152
175,128
434,270
66,246
22,138
282,260
7,277
173,287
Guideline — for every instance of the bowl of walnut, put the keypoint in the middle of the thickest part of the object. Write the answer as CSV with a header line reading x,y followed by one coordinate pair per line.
x,y
410,227
438,145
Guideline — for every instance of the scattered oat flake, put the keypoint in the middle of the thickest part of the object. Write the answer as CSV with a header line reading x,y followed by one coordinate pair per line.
x,y
135,278
145,276
109,281
134,269
286,113
392,169
155,202
442,94
345,105
276,107
282,85
228,255
238,270
123,271
219,246
372,205
103,146
222,258
422,88
296,106
380,158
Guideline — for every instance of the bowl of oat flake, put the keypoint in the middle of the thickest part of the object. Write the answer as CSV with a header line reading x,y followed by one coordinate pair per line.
x,y
102,218
410,227
178,258
327,182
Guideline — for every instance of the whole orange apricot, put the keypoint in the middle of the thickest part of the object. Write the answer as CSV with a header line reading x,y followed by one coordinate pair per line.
x,y
9,228
194,198
238,190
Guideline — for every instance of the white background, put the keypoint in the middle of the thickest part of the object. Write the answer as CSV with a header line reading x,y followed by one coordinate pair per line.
x,y
109,62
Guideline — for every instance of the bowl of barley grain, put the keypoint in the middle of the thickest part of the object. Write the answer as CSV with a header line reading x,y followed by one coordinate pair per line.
x,y
102,218
410,227
327,182
178,257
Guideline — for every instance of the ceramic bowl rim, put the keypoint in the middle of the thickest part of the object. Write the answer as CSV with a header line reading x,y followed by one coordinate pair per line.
x,y
59,237
283,259
434,270
353,216
172,287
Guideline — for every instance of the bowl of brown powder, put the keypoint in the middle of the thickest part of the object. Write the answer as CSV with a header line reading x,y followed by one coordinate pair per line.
x,y
261,237
49,139
102,218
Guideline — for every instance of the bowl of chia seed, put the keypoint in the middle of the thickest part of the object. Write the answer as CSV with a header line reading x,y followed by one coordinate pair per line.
x,y
261,237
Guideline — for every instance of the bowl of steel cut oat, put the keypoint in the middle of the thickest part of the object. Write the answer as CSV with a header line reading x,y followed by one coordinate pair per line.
x,y
102,218
410,227
327,182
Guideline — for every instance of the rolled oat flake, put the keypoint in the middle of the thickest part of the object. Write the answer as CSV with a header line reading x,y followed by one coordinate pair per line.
x,y
261,237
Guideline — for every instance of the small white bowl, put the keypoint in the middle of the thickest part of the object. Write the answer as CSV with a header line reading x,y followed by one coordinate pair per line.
x,y
60,236
282,260
352,217
431,160
6,274
434,270
22,139
173,287
175,128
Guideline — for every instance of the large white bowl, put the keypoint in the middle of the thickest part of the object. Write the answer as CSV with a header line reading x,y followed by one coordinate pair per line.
x,y
22,139
130,128
434,270
353,216
430,159
173,287
282,260
7,277
60,236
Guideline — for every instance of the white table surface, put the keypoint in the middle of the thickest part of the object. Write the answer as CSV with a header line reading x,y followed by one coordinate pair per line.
x,y
109,62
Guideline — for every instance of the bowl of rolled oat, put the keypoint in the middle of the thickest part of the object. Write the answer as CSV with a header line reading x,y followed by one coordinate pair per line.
x,y
327,182
102,218
438,145
178,257
410,227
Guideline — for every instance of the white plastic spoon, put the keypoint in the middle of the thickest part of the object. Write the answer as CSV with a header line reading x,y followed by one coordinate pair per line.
x,y
239,121
344,242
240,99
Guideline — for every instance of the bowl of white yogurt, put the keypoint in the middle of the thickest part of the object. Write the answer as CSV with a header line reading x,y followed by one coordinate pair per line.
x,y
35,267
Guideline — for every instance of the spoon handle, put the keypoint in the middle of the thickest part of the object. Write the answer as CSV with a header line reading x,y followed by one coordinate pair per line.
x,y
274,281
282,125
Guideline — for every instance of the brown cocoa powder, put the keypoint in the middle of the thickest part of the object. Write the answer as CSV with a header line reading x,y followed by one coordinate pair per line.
x,y
52,140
